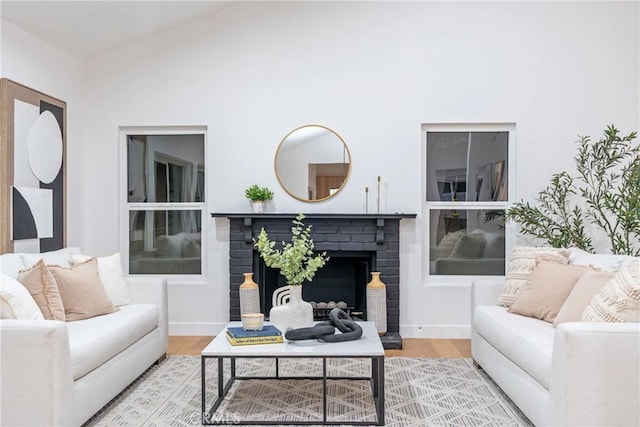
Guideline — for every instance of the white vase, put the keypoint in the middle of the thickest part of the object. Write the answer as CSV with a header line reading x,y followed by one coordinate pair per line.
x,y
257,207
289,310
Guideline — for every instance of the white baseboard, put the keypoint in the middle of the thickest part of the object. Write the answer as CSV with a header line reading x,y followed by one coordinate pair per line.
x,y
195,329
406,331
436,331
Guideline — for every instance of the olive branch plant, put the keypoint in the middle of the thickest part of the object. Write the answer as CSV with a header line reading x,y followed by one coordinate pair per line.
x,y
296,260
605,191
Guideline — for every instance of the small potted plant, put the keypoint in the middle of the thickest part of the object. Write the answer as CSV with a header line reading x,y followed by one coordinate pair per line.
x,y
298,263
258,195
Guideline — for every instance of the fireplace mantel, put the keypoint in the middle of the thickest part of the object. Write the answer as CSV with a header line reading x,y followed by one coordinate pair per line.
x,y
249,217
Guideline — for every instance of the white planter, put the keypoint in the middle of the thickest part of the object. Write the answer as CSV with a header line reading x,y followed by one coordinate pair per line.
x,y
289,311
257,207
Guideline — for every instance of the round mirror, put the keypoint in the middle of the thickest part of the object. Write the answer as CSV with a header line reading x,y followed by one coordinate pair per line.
x,y
312,163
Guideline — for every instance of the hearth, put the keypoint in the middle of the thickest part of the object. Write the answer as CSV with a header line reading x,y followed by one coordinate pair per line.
x,y
357,244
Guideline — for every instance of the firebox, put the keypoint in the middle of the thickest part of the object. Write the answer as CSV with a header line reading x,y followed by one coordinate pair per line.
x,y
341,282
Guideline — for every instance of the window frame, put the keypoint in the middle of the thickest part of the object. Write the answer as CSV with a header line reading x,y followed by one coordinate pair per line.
x,y
428,206
126,207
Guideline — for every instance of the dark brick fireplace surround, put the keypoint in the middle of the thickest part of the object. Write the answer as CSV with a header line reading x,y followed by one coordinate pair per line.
x,y
377,236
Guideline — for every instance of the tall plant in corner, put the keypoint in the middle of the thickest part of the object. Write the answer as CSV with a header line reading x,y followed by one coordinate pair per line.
x,y
605,192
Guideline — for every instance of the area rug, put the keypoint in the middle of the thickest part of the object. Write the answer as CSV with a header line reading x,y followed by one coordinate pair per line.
x,y
418,392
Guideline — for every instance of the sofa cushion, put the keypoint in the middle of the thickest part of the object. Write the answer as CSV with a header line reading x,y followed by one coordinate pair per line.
x,y
111,276
170,246
82,293
521,263
546,290
448,242
585,289
619,298
469,246
96,340
526,341
59,257
495,246
11,264
605,262
42,286
17,301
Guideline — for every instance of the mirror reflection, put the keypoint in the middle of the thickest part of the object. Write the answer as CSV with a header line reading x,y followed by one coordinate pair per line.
x,y
312,163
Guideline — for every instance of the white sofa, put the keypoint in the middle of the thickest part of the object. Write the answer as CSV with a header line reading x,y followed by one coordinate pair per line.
x,y
578,374
61,373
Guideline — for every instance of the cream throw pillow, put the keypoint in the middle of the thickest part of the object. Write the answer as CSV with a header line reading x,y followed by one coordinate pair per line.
x,y
111,276
546,290
588,285
42,286
521,263
20,303
448,242
619,298
81,290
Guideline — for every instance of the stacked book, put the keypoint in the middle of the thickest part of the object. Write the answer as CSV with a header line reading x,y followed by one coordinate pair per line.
x,y
269,334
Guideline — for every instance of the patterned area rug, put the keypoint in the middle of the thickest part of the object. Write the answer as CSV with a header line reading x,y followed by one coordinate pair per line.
x,y
418,392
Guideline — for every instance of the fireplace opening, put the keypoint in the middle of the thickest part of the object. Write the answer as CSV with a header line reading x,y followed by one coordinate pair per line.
x,y
343,279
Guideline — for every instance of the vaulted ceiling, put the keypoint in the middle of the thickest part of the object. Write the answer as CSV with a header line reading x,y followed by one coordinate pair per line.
x,y
87,29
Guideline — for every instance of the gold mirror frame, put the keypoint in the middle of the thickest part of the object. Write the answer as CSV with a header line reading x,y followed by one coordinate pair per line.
x,y
323,149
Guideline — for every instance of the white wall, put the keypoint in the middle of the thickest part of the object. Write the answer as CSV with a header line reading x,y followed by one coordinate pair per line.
x,y
34,63
373,72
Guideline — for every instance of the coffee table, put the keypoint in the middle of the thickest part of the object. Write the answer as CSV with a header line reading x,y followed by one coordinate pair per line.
x,y
367,347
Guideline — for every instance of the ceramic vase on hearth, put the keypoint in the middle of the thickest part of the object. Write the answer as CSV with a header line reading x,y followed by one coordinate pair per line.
x,y
377,303
289,310
249,295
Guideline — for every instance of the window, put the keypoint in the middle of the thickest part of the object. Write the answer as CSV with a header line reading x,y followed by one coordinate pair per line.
x,y
467,177
164,193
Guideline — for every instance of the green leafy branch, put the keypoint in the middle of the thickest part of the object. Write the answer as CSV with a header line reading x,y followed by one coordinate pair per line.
x,y
608,182
296,260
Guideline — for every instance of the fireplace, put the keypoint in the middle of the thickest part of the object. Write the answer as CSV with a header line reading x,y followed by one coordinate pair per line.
x,y
357,244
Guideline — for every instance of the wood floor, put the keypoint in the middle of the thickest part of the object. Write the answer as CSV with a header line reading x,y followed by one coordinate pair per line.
x,y
412,347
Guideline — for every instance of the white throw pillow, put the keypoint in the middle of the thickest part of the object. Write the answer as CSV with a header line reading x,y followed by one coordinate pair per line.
x,y
605,262
111,276
59,257
18,300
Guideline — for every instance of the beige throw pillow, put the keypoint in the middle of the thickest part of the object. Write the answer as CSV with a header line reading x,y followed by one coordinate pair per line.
x,y
588,285
81,290
546,290
111,276
43,288
521,263
619,298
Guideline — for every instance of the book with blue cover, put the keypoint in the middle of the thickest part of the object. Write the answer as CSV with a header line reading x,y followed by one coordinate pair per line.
x,y
266,331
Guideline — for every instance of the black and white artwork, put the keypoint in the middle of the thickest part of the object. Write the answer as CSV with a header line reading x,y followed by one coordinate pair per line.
x,y
33,183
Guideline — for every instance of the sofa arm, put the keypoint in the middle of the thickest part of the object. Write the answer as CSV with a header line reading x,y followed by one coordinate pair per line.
x,y
151,290
37,380
595,374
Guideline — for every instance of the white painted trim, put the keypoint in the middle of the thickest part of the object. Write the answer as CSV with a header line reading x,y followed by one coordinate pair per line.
x,y
195,329
510,128
436,331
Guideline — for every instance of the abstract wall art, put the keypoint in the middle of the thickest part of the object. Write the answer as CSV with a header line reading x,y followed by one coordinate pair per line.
x,y
32,170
